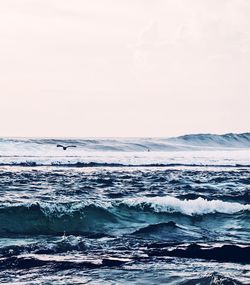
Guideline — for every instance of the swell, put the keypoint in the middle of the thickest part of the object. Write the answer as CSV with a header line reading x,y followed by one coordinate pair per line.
x,y
108,164
156,227
199,206
35,258
94,217
226,140
224,253
128,144
33,261
42,218
243,197
169,231
212,279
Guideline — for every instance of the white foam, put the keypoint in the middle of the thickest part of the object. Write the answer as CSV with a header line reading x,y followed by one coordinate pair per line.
x,y
198,206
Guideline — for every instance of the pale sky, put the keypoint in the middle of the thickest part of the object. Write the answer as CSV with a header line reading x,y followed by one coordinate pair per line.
x,y
81,68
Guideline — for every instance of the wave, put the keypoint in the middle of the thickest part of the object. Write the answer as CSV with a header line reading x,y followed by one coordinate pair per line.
x,y
225,253
187,142
152,228
212,279
212,140
191,150
243,197
169,231
43,218
32,260
199,206
32,256
93,217
65,244
110,164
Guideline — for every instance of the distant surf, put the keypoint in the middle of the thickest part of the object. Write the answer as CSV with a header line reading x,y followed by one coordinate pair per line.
x,y
186,142
189,150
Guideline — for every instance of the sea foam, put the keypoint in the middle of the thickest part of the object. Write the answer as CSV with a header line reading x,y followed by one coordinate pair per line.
x,y
198,206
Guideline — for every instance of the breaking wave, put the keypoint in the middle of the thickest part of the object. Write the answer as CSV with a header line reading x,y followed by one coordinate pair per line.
x,y
198,206
132,144
226,140
107,164
189,150
86,218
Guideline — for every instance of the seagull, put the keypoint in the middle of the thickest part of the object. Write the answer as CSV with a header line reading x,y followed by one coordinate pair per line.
x,y
65,147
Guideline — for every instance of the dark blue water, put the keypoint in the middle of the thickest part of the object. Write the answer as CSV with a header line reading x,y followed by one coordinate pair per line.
x,y
125,225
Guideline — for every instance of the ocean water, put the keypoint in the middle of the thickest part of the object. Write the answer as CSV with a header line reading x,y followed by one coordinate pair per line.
x,y
125,211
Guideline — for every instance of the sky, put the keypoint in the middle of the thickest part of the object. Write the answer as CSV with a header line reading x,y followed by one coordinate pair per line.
x,y
124,68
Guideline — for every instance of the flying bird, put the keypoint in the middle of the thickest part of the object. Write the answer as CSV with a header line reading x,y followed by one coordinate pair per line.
x,y
65,147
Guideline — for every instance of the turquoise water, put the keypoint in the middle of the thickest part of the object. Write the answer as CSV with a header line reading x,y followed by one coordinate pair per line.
x,y
138,219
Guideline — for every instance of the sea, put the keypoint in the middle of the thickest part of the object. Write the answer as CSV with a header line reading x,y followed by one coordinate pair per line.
x,y
125,210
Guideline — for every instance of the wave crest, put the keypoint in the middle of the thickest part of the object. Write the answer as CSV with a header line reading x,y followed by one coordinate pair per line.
x,y
95,217
199,206
42,218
